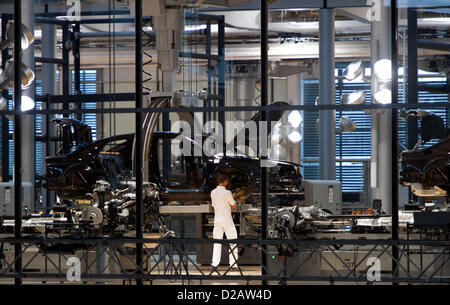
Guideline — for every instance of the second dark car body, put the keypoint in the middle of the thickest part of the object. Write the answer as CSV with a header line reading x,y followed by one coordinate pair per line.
x,y
427,170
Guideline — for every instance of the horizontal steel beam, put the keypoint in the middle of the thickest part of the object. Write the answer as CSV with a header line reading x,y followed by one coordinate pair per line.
x,y
48,60
85,98
434,88
307,242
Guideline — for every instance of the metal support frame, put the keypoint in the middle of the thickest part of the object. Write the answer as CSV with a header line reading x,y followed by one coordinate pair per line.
x,y
393,247
207,103
138,126
216,65
65,68
4,120
394,137
340,107
174,259
17,138
76,64
221,72
264,116
412,128
326,94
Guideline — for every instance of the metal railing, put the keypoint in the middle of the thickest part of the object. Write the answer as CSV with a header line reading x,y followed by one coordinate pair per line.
x,y
179,259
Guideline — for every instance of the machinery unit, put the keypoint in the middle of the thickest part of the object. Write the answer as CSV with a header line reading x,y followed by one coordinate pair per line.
x,y
7,198
324,194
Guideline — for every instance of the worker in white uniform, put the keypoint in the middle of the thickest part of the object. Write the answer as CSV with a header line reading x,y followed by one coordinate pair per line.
x,y
222,201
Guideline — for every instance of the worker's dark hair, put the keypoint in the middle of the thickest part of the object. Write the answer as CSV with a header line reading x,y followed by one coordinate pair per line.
x,y
221,178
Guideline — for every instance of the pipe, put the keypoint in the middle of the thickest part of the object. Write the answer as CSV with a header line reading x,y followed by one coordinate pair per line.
x,y
293,93
244,95
326,94
431,45
412,75
381,149
48,87
28,121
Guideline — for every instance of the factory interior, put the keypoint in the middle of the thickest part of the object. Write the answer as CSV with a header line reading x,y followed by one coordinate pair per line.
x,y
128,126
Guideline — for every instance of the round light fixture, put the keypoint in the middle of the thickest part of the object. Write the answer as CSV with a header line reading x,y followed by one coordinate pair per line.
x,y
353,70
346,124
354,98
295,137
295,118
383,96
7,76
27,103
3,103
383,70
26,38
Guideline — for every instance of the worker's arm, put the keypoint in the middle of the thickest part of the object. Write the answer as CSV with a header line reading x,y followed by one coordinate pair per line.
x,y
231,200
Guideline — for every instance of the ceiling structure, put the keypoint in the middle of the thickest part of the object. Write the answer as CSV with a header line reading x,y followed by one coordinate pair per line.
x,y
293,28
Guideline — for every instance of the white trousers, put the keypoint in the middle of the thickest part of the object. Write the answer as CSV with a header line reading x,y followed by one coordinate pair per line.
x,y
230,231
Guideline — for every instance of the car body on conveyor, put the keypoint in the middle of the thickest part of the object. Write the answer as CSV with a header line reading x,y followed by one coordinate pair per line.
x,y
73,175
427,170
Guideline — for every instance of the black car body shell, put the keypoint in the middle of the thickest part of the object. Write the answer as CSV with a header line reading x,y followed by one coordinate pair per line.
x,y
428,167
73,176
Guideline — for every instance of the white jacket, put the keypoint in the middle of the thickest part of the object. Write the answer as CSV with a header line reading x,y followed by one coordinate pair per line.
x,y
222,200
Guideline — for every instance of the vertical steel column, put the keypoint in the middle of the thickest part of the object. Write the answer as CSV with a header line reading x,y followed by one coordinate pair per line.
x,y
221,76
394,89
412,75
138,152
65,67
326,94
5,123
381,146
166,147
264,117
168,85
293,93
28,121
76,65
207,103
65,81
48,87
17,139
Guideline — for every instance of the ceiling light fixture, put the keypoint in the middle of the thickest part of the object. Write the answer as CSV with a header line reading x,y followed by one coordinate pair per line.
x,y
7,76
346,124
354,98
383,70
383,96
27,103
295,137
27,37
353,70
3,103
295,118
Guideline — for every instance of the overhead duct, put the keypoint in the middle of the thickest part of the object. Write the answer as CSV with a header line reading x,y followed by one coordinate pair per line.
x,y
155,7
